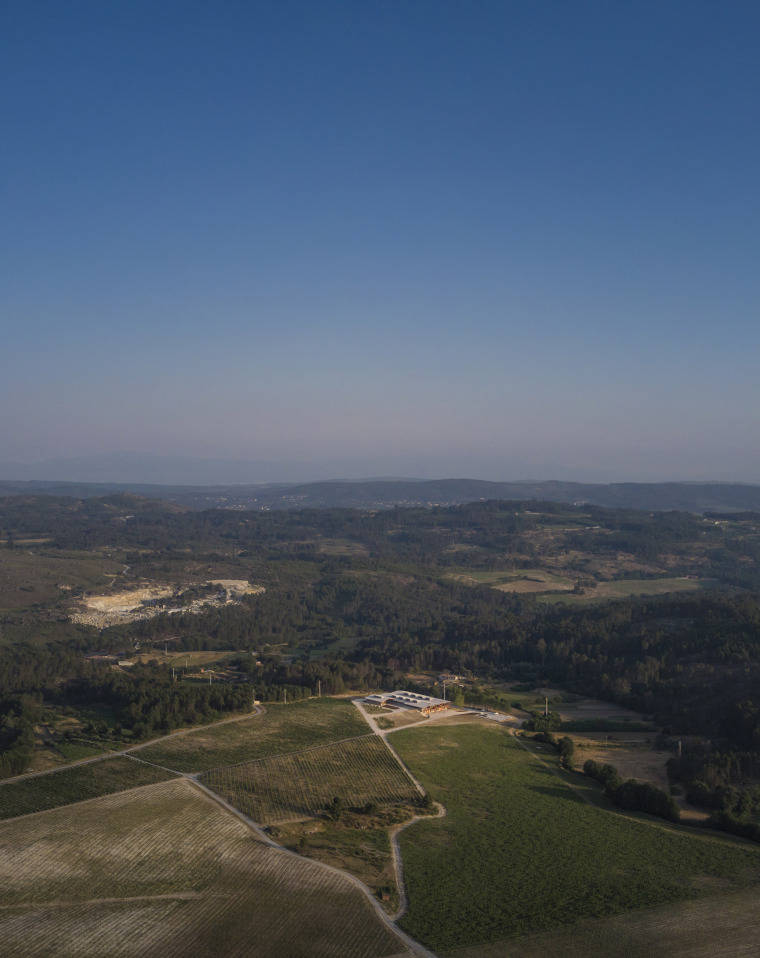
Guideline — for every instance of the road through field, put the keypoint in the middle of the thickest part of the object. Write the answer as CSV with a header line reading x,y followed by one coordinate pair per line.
x,y
257,710
383,734
398,862
390,922
132,752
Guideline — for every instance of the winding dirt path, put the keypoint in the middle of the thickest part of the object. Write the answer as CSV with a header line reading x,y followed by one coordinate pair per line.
x,y
393,833
389,921
398,863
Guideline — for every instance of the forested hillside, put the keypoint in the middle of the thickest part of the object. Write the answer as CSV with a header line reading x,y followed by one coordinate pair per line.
x,y
655,611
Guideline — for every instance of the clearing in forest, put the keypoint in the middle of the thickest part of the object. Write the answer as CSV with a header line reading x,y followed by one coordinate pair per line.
x,y
558,585
40,792
515,580
520,851
281,728
625,588
302,784
166,871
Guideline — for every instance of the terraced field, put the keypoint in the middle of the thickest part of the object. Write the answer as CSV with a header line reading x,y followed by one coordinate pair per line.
x,y
76,784
281,728
164,871
301,784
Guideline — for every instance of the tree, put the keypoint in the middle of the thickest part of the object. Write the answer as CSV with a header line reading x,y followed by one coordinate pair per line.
x,y
566,751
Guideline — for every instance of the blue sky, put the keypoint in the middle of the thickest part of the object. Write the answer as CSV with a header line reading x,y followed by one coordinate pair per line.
x,y
495,239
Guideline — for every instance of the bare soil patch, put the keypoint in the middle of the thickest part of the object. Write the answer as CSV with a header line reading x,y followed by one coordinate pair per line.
x,y
631,753
147,601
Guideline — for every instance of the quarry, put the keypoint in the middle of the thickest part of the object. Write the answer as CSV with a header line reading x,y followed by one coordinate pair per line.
x,y
147,601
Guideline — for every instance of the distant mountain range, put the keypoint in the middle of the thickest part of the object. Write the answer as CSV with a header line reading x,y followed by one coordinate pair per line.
x,y
386,493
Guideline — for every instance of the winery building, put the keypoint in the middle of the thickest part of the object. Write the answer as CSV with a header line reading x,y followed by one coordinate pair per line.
x,y
410,700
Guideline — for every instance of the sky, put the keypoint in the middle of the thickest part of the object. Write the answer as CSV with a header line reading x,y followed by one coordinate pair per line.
x,y
503,240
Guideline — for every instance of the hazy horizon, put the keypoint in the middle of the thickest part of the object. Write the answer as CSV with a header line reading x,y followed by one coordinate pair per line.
x,y
434,239
128,468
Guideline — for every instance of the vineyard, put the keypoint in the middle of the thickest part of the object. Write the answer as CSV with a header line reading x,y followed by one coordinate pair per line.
x,y
75,785
164,870
301,784
281,728
519,851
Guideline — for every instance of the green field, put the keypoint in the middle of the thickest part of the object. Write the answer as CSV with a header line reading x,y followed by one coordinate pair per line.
x,y
300,784
514,580
705,928
281,728
520,851
557,586
625,588
166,871
75,785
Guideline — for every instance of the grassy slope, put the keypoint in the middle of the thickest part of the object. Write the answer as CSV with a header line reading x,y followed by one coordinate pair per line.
x,y
75,784
165,871
282,728
520,851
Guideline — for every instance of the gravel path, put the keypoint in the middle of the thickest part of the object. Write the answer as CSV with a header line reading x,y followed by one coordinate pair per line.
x,y
413,946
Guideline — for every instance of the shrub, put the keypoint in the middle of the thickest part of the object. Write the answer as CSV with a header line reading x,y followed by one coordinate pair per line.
x,y
566,750
735,826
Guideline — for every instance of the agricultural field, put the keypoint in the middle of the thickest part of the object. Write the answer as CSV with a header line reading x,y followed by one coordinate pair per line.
x,y
625,588
520,851
558,583
302,784
577,712
75,784
516,580
707,928
184,660
632,754
166,871
281,728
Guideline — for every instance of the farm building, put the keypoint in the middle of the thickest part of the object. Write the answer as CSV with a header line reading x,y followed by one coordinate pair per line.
x,y
377,698
410,700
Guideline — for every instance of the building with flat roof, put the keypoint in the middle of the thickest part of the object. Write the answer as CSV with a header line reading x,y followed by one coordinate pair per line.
x,y
377,698
410,700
